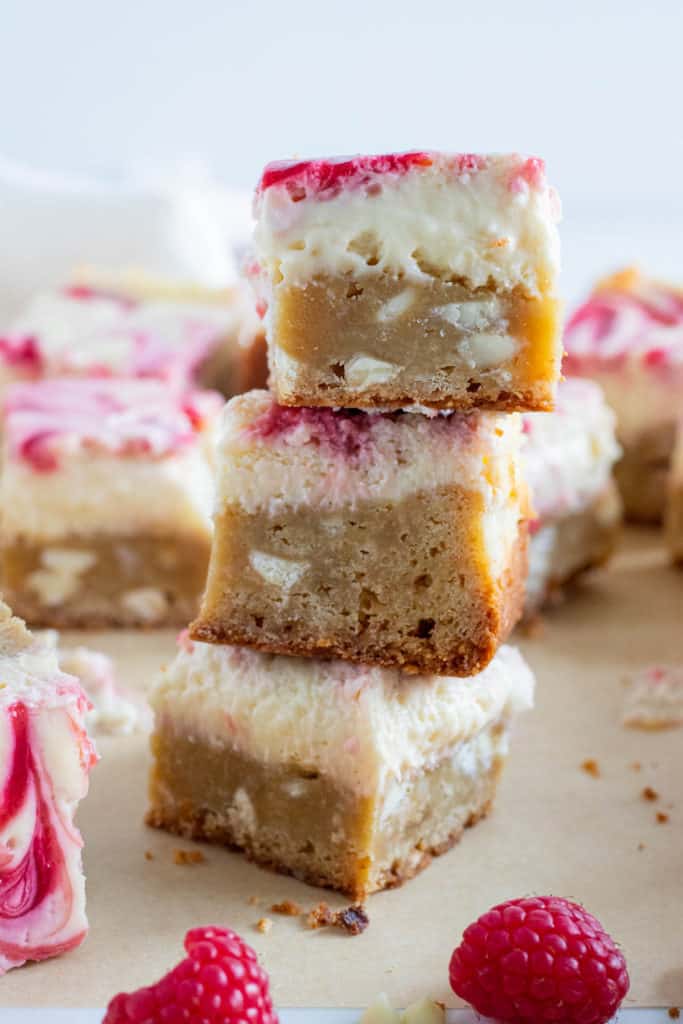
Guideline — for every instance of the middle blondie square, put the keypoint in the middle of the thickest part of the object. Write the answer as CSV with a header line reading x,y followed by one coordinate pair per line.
x,y
389,539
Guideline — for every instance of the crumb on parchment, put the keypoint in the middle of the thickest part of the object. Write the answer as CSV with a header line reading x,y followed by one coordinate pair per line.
x,y
649,793
353,919
264,925
184,857
287,908
591,767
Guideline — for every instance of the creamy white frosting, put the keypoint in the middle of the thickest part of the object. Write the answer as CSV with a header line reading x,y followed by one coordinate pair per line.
x,y
399,456
365,727
568,454
483,224
95,494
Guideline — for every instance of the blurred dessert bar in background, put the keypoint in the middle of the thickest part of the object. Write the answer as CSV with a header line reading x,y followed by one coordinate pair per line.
x,y
132,325
628,337
45,760
674,509
569,455
410,278
391,539
106,494
343,775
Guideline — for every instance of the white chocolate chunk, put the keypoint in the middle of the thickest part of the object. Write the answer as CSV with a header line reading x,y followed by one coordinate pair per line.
x,y
380,1012
279,572
491,349
59,577
363,371
471,315
396,306
425,1011
147,603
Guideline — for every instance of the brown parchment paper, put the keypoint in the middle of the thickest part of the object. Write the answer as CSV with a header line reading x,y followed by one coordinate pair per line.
x,y
555,829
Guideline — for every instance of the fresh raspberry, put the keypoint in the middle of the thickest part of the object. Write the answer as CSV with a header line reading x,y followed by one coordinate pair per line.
x,y
539,959
219,982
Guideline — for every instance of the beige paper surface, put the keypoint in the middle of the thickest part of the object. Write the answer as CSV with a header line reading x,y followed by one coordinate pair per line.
x,y
555,829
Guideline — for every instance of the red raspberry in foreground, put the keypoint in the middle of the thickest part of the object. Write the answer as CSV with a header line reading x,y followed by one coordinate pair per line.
x,y
219,982
539,959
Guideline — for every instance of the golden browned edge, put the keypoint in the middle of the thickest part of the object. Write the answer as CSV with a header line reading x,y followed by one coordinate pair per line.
x,y
189,824
523,401
507,597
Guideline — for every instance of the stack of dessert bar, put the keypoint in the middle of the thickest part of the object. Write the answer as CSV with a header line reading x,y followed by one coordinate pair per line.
x,y
340,709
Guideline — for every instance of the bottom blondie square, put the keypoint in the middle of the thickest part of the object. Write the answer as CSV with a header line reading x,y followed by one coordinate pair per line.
x,y
342,775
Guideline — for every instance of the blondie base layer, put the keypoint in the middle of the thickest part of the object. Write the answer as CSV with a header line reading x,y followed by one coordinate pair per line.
x,y
106,493
45,759
393,540
628,337
414,278
344,776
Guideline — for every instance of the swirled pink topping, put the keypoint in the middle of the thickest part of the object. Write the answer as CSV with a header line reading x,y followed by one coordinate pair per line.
x,y
324,178
48,421
345,432
628,317
86,331
42,896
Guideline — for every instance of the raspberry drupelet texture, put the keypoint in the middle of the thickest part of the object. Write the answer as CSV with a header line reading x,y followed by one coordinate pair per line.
x,y
539,959
219,982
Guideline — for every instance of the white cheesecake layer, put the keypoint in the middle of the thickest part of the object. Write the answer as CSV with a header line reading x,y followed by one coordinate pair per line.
x,y
361,726
486,221
372,457
90,495
568,454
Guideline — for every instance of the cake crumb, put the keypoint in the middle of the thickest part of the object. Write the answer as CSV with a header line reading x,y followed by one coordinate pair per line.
x,y
641,846
184,857
288,908
591,767
636,766
253,901
320,917
662,817
263,925
674,1012
353,919
649,793
149,855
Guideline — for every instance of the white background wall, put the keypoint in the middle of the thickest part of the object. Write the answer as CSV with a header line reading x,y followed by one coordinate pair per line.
x,y
594,87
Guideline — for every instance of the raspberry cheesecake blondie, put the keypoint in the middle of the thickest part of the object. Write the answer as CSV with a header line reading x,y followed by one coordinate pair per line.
x,y
392,539
628,336
134,326
410,278
569,455
106,495
343,775
45,760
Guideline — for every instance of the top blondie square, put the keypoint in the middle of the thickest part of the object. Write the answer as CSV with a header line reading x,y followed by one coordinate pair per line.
x,y
410,279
